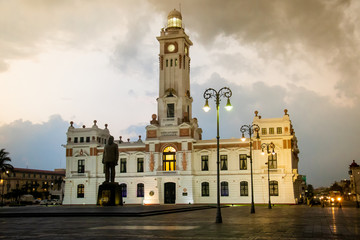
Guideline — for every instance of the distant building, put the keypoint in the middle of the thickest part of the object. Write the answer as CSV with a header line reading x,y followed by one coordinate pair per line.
x,y
354,172
173,164
39,183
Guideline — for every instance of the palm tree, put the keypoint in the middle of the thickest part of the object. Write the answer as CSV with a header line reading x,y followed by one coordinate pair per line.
x,y
5,167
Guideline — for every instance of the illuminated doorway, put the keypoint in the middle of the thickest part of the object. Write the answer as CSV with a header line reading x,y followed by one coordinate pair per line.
x,y
169,193
169,159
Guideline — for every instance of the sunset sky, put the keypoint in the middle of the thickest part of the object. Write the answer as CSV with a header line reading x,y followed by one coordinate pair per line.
x,y
79,60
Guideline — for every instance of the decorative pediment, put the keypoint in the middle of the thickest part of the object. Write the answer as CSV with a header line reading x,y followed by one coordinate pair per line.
x,y
80,153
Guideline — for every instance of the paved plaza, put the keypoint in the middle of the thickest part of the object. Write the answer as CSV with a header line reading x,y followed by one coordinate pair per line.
x,y
180,222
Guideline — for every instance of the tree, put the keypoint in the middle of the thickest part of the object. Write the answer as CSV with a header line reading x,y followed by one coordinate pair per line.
x,y
5,168
4,159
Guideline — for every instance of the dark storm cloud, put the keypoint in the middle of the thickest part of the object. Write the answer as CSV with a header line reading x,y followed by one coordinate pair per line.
x,y
35,145
327,135
287,30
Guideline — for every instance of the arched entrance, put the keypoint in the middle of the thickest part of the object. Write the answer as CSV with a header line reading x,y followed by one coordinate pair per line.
x,y
169,193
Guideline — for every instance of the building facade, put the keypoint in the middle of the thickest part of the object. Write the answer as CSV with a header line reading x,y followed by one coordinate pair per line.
x,y
173,165
39,183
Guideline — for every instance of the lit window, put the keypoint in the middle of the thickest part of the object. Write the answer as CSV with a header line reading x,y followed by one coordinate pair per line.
x,y
176,62
243,161
205,192
244,188
204,163
169,159
223,162
80,191
274,188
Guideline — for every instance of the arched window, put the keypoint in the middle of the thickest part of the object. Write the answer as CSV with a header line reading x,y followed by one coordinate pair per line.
x,y
169,159
274,188
80,191
205,192
244,189
140,190
224,189
123,188
272,161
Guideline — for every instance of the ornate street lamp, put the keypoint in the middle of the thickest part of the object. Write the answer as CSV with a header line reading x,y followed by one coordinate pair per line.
x,y
268,146
212,93
250,129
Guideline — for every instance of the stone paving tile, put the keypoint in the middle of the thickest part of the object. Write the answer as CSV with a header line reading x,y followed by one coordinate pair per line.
x,y
283,222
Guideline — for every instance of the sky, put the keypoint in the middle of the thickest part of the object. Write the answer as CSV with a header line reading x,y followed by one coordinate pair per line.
x,y
80,61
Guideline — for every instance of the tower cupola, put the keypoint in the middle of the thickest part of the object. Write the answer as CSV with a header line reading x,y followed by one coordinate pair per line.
x,y
174,19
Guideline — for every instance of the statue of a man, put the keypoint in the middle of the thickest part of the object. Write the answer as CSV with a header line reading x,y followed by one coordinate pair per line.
x,y
110,159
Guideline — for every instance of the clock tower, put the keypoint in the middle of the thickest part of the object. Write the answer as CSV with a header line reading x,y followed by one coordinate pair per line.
x,y
174,102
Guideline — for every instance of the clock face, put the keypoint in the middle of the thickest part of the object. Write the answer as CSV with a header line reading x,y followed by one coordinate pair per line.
x,y
171,47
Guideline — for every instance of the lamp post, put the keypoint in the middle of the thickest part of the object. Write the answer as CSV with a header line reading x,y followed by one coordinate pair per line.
x,y
268,146
250,130
212,93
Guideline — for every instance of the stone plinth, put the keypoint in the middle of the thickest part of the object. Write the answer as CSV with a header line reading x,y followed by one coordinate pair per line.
x,y
109,194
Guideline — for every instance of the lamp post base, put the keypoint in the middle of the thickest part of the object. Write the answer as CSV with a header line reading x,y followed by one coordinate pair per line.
x,y
269,205
252,208
218,216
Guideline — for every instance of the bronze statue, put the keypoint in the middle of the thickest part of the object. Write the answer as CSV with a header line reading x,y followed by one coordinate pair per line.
x,y
110,159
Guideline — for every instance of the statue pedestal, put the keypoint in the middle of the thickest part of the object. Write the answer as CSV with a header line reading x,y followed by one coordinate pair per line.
x,y
109,194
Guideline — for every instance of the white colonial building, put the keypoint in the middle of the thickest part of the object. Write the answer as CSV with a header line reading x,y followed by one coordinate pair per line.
x,y
173,164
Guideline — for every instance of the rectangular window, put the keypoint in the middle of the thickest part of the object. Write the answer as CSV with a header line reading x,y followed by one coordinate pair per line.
x,y
140,164
80,191
271,131
205,191
243,161
87,139
170,110
244,189
75,140
224,189
81,166
81,139
274,188
176,62
279,130
223,162
123,165
140,190
272,159
205,163
263,131
167,62
171,61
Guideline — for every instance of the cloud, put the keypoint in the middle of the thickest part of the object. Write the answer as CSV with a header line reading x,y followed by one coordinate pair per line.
x,y
320,34
36,146
327,134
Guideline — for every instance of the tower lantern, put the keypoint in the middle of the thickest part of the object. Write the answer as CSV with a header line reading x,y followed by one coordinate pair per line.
x,y
174,19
